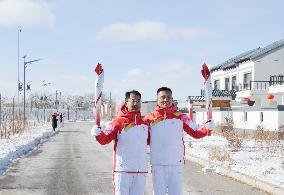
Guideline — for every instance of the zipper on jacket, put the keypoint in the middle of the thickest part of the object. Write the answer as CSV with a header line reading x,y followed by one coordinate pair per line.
x,y
165,117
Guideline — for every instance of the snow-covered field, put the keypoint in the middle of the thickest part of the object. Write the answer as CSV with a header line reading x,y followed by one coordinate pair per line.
x,y
21,144
261,163
257,162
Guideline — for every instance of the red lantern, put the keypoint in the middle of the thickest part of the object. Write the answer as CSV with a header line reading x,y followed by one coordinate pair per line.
x,y
246,99
270,96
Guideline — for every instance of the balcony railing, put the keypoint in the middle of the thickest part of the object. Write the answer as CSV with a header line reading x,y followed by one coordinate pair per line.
x,y
276,79
262,85
258,85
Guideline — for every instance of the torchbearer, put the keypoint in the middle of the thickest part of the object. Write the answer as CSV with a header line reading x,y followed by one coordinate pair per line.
x,y
130,136
166,143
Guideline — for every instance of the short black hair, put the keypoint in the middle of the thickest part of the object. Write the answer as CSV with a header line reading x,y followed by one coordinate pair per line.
x,y
127,94
164,89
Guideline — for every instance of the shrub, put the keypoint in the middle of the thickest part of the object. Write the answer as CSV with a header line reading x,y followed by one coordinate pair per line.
x,y
234,140
281,132
265,138
219,154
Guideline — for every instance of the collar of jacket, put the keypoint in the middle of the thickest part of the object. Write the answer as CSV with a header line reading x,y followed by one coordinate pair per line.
x,y
132,116
166,111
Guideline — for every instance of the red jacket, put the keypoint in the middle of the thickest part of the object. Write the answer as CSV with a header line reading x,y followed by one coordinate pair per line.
x,y
130,134
166,131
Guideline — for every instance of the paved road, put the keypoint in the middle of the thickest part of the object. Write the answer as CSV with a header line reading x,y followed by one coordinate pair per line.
x,y
72,163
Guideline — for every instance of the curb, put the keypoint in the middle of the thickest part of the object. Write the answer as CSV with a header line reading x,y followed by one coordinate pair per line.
x,y
262,185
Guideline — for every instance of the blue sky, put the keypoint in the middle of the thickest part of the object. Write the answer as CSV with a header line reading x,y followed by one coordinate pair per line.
x,y
142,44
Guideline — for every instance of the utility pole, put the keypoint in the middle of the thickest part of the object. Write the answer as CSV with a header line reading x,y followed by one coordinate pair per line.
x,y
25,66
0,114
19,30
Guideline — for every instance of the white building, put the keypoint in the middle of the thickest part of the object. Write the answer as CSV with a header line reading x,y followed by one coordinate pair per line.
x,y
254,75
252,72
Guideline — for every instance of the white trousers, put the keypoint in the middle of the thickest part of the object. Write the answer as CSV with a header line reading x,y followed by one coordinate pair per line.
x,y
129,183
167,178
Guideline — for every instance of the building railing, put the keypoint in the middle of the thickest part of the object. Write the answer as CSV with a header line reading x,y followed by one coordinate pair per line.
x,y
276,79
260,85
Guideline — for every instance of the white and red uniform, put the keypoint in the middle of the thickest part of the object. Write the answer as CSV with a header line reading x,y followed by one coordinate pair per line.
x,y
167,148
130,134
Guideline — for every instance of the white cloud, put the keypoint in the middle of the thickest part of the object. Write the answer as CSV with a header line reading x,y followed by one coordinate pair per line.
x,y
147,30
25,12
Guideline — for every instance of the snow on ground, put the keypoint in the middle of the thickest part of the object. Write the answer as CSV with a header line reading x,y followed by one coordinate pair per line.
x,y
21,144
252,159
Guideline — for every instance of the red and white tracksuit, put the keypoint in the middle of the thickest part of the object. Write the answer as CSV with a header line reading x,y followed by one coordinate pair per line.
x,y
167,148
130,134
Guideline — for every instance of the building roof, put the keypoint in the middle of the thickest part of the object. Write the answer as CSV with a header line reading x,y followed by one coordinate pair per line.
x,y
250,55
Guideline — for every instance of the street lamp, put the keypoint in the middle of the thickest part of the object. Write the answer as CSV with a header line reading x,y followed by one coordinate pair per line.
x,y
25,66
45,84
19,84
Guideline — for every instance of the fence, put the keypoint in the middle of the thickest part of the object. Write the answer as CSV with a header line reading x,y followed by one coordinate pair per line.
x,y
12,121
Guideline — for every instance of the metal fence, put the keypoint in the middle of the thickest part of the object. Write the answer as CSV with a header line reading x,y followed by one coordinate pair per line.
x,y
12,116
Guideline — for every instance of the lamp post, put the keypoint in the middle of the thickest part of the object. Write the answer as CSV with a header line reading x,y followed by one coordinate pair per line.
x,y
0,114
19,30
25,66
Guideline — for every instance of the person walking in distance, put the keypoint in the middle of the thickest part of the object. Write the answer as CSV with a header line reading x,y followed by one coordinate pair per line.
x,y
166,143
61,119
54,121
130,135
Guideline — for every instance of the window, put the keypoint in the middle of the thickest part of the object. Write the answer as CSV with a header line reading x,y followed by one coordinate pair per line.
x,y
216,84
227,83
247,79
234,83
261,116
246,117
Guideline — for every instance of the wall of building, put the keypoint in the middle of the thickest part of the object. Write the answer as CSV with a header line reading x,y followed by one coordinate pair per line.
x,y
272,118
278,92
271,64
281,118
218,116
238,72
245,67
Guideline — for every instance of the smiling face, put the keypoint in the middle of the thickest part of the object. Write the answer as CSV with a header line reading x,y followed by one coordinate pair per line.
x,y
133,103
165,99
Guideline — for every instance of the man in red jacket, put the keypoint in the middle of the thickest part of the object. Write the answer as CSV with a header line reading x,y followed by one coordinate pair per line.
x,y
130,135
166,144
